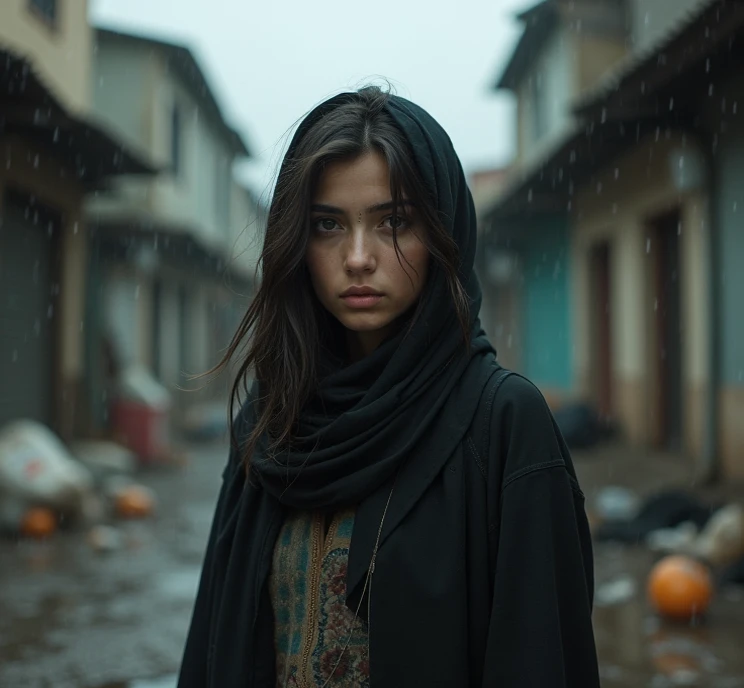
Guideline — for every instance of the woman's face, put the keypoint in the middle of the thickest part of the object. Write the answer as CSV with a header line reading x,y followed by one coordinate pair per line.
x,y
351,256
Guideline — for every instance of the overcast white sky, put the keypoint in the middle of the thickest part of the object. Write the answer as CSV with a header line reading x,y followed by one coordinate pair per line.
x,y
270,61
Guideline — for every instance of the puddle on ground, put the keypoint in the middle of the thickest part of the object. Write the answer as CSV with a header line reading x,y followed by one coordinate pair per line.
x,y
164,682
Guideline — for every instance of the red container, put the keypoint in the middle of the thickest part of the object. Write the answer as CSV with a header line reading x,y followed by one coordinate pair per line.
x,y
142,428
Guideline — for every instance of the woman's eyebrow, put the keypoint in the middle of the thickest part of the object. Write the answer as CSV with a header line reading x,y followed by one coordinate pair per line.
x,y
376,208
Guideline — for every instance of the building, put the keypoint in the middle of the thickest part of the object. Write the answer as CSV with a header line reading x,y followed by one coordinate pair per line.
x,y
173,256
677,325
649,177
565,48
53,153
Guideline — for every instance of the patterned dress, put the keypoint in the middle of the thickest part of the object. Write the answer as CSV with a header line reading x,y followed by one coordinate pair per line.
x,y
308,590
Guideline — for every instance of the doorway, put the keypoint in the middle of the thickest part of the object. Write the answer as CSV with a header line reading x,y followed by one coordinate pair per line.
x,y
666,331
601,310
29,279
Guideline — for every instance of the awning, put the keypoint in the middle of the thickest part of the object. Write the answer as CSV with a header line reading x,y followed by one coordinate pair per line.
x,y
178,245
29,108
697,50
659,87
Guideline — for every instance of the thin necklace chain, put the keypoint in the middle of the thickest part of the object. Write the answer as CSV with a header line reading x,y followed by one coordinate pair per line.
x,y
367,583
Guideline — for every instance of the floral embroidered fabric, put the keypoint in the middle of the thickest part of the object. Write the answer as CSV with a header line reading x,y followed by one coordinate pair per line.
x,y
308,592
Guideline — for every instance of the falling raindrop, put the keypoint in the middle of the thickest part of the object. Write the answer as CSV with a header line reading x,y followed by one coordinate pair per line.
x,y
736,205
671,104
679,228
50,228
707,65
529,196
75,227
572,157
36,161
648,245
137,292
15,355
599,188
55,136
617,173
710,90
614,208
50,311
603,118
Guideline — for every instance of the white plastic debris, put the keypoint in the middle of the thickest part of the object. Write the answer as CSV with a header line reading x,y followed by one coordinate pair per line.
x,y
35,467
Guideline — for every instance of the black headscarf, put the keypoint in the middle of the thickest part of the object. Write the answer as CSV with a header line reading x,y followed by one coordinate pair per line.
x,y
369,418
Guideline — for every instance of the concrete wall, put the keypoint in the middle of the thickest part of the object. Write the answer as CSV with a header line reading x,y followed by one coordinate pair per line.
x,y
617,207
123,91
547,335
726,118
554,77
60,54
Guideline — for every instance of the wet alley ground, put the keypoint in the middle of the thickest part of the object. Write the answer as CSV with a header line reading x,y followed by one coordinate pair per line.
x,y
71,618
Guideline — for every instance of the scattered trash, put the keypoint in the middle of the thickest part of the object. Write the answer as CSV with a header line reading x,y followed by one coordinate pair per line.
x,y
105,459
141,415
37,470
38,523
666,509
679,540
105,538
615,592
680,588
580,425
134,501
617,504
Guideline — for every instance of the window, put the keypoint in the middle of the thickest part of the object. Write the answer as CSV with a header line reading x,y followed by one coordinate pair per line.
x,y
176,140
539,107
45,10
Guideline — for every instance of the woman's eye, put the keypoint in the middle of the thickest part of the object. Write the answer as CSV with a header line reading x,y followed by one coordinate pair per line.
x,y
398,223
325,224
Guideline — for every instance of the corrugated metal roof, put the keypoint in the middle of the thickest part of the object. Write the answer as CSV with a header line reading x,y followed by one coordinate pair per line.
x,y
184,59
633,62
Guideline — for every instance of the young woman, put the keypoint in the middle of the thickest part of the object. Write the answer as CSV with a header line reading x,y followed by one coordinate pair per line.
x,y
397,510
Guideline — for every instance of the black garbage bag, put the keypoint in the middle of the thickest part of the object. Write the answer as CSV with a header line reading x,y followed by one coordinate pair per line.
x,y
666,509
580,425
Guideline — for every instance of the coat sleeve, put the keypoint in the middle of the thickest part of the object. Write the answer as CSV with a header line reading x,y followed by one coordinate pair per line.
x,y
540,632
194,664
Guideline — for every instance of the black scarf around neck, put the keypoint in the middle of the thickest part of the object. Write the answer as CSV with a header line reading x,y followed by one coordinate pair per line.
x,y
373,416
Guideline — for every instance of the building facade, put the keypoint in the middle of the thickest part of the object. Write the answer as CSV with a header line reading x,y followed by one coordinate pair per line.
x,y
174,255
53,153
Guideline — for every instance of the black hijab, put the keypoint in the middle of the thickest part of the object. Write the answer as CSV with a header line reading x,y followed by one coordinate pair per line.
x,y
369,418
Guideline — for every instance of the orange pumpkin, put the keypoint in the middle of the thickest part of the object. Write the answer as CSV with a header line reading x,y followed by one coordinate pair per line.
x,y
680,587
134,501
38,523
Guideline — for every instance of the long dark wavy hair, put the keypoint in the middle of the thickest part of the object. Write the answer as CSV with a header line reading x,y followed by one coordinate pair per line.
x,y
285,328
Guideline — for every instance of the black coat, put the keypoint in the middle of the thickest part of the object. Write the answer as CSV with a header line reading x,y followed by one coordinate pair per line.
x,y
485,579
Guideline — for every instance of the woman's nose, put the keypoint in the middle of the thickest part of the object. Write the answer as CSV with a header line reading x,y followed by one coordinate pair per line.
x,y
359,252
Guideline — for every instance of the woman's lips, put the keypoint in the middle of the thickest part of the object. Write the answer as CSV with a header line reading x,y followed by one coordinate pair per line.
x,y
361,300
